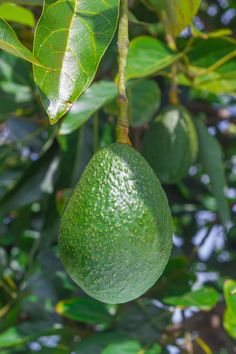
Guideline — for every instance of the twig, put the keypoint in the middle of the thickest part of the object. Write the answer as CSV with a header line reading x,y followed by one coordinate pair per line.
x,y
122,127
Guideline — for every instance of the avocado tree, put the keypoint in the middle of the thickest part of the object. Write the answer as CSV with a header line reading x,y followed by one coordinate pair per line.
x,y
117,176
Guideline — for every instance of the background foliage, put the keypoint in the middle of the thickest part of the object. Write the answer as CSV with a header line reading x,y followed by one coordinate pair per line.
x,y
192,308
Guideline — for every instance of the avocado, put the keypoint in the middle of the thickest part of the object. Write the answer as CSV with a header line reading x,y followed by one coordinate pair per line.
x,y
116,229
171,145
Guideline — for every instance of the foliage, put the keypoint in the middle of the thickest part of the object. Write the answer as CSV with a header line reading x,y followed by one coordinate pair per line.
x,y
73,49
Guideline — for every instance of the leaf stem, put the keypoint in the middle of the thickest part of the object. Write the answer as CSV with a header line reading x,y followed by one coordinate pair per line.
x,y
122,127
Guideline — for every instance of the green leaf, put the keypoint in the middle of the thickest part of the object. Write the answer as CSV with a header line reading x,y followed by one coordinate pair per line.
x,y
25,2
144,101
33,182
24,333
18,14
147,56
85,310
89,103
210,155
230,313
176,279
176,14
128,347
212,65
98,341
11,44
71,37
204,299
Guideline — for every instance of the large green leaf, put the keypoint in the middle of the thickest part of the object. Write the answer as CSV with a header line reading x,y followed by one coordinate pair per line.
x,y
210,155
89,103
230,313
11,44
71,37
18,14
176,14
147,56
204,299
85,310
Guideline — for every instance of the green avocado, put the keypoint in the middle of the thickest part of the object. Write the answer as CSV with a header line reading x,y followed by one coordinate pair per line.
x,y
170,145
116,230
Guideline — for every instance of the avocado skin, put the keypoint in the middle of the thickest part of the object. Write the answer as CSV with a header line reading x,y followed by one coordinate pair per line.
x,y
116,230
171,145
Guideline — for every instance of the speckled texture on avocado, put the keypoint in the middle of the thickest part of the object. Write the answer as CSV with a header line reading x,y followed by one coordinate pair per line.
x,y
116,230
171,145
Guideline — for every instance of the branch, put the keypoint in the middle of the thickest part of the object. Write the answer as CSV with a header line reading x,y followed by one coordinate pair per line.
x,y
122,127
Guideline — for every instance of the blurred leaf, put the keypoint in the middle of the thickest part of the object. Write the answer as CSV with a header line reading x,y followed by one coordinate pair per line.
x,y
204,299
147,56
143,320
25,2
176,279
73,47
89,103
210,155
85,310
230,312
34,182
213,34
24,333
128,347
176,14
11,44
97,342
212,65
11,12
144,101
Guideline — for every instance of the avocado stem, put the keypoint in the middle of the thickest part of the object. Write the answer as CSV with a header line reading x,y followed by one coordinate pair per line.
x,y
122,126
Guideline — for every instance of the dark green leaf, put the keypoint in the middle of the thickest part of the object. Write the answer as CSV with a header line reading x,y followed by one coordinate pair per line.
x,y
11,12
144,101
147,56
85,310
204,299
210,155
89,103
32,184
176,279
11,44
71,37
96,343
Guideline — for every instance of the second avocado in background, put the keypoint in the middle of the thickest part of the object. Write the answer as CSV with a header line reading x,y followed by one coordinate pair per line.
x,y
171,145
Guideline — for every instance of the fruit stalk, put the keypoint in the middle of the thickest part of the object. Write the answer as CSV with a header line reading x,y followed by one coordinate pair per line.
x,y
122,127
